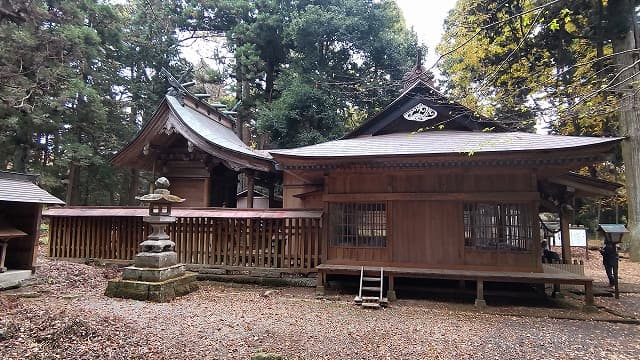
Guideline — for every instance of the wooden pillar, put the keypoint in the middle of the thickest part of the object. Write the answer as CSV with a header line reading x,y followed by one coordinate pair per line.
x,y
250,185
565,219
480,302
3,253
320,281
272,192
325,222
588,297
391,292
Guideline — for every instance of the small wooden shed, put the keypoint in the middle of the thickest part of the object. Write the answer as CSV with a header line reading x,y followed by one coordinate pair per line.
x,y
21,202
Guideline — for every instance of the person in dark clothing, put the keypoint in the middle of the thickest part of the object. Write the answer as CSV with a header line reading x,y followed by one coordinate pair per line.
x,y
610,261
548,256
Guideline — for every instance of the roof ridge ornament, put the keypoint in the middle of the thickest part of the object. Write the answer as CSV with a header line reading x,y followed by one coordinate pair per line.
x,y
418,72
178,89
420,112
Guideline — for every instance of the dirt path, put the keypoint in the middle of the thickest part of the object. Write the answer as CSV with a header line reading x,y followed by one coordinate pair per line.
x,y
71,319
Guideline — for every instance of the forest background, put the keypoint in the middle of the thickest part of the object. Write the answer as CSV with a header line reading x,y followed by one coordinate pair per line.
x,y
78,78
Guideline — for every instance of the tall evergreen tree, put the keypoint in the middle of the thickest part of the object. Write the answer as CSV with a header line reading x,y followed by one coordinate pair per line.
x,y
305,70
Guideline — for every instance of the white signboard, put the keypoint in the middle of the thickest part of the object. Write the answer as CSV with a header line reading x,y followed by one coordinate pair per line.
x,y
578,237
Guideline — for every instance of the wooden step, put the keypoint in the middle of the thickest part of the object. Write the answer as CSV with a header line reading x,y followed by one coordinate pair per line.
x,y
370,299
376,279
371,288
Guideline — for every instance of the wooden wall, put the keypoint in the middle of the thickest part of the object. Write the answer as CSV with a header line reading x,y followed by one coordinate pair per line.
x,y
425,214
194,190
302,190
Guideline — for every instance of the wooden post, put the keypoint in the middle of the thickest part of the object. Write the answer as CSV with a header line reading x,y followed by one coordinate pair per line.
x,y
3,252
391,292
320,283
272,191
588,297
250,185
615,274
480,302
565,234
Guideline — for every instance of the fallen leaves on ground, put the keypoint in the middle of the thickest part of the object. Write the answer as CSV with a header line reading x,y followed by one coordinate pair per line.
x,y
227,321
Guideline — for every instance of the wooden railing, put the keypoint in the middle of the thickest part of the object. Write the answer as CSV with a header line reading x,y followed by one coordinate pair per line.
x,y
283,239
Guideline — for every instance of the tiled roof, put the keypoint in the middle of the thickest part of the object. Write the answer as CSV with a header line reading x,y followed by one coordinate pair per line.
x,y
20,188
441,142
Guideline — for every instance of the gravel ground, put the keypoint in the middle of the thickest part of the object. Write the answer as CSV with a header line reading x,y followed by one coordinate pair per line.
x,y
71,319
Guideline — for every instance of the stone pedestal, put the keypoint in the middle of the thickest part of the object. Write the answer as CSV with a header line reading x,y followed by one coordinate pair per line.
x,y
156,274
154,277
156,291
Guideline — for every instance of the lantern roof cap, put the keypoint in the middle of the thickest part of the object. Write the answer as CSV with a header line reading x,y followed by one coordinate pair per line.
x,y
613,228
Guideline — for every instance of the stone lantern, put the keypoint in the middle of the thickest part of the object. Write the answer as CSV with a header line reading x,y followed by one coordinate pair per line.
x,y
613,234
156,274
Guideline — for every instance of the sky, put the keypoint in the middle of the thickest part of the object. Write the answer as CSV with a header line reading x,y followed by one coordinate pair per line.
x,y
427,19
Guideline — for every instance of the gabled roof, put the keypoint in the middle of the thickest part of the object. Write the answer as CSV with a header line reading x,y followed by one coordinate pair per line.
x,y
214,132
203,126
422,96
18,187
441,142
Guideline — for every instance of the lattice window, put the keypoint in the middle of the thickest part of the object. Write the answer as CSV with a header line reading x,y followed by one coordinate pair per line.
x,y
498,226
358,224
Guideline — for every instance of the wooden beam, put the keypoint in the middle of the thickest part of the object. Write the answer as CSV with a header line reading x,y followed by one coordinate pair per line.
x,y
524,196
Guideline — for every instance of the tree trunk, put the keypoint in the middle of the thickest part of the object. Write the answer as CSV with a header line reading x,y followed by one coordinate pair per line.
x,y
71,185
268,89
22,148
629,119
20,155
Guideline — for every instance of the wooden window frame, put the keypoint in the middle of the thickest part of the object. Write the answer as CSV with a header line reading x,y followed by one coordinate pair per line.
x,y
498,226
359,225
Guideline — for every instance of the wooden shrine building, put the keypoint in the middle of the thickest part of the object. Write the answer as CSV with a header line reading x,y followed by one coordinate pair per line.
x,y
426,188
194,145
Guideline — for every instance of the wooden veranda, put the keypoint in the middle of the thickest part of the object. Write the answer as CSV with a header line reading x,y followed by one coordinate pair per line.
x,y
288,240
550,275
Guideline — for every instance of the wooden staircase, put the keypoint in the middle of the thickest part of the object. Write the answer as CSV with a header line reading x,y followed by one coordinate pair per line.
x,y
372,286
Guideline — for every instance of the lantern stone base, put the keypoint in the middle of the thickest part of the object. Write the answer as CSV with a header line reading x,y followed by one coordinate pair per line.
x,y
156,260
135,273
161,291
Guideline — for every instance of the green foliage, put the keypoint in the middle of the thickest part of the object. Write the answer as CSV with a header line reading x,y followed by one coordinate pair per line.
x,y
529,61
75,85
308,70
523,60
79,77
